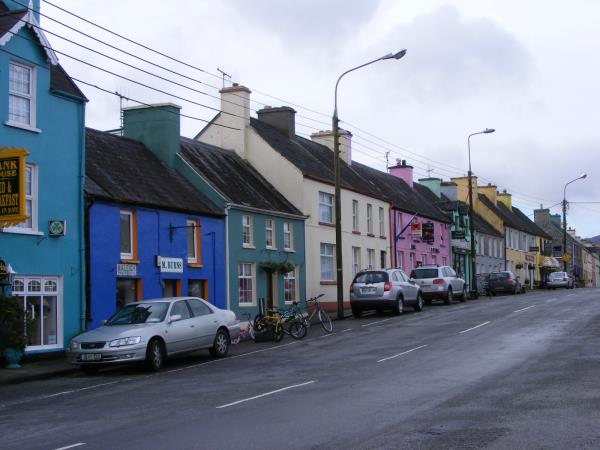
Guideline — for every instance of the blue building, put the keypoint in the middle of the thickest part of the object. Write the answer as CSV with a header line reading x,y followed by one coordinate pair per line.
x,y
42,113
150,233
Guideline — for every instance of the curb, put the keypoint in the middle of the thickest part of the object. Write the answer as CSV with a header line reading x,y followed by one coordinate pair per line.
x,y
23,378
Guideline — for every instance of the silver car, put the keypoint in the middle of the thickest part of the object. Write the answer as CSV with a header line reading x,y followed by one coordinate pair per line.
x,y
439,282
559,280
152,330
384,289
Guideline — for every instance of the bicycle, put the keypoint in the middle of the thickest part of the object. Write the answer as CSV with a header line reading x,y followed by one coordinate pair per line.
x,y
321,314
277,322
247,332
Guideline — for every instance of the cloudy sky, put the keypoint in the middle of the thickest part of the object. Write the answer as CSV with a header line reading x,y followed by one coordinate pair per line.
x,y
531,70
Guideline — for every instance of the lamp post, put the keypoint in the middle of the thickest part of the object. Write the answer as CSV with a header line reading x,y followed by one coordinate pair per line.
x,y
580,177
336,169
471,222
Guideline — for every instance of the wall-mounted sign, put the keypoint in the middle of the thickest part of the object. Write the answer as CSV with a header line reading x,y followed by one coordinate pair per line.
x,y
126,270
458,234
530,258
57,228
416,230
427,230
12,186
534,249
169,265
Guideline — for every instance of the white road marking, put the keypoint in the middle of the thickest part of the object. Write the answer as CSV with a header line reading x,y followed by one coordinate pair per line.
x,y
79,444
374,323
523,309
81,389
346,330
403,353
551,300
326,335
266,394
480,325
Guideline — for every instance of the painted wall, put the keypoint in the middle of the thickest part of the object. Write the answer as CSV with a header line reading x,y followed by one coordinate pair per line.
x,y
153,240
57,153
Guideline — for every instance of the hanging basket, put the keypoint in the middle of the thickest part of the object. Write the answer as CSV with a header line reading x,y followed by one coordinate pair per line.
x,y
269,266
286,266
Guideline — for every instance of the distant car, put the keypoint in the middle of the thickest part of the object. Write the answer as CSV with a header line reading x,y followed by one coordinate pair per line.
x,y
483,280
384,289
151,330
504,281
439,282
560,280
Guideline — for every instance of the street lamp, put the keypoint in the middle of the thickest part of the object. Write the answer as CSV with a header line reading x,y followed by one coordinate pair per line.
x,y
471,222
336,169
580,177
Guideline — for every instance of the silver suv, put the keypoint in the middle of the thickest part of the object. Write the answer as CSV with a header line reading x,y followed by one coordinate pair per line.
x,y
384,289
439,282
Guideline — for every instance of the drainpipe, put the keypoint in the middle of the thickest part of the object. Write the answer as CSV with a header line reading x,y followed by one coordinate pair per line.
x,y
82,253
227,287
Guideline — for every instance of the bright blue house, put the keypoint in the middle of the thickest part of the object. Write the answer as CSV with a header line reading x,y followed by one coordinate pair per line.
x,y
42,111
150,233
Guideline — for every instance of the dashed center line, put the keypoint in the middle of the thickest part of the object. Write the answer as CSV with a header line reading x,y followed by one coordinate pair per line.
x,y
375,323
403,353
551,300
480,325
79,444
266,394
523,309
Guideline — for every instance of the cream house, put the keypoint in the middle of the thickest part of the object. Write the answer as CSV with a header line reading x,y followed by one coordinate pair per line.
x,y
302,170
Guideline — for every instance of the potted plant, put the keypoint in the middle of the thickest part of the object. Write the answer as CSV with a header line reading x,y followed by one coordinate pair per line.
x,y
268,266
286,266
12,330
518,266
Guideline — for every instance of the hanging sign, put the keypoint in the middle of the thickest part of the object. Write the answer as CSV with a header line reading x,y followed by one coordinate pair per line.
x,y
12,186
428,235
416,230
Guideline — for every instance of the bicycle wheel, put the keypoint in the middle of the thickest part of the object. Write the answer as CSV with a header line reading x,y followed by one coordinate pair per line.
x,y
297,329
250,330
325,321
278,333
260,324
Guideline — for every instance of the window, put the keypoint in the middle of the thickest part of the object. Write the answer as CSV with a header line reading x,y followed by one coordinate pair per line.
x,y
355,260
411,260
180,308
247,238
128,235
400,259
128,290
21,95
383,259
198,308
193,242
434,259
444,261
370,258
246,283
369,218
31,200
288,237
381,222
423,259
355,217
327,262
42,302
269,234
198,288
325,207
290,286
171,288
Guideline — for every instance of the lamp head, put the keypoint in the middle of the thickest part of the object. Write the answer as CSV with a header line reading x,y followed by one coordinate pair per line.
x,y
583,175
397,55
489,130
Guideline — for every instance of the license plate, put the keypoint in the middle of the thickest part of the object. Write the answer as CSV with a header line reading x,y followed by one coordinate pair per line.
x,y
91,357
370,290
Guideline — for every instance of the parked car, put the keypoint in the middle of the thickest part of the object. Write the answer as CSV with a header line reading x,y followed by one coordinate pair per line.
x,y
384,289
560,280
504,281
439,282
152,330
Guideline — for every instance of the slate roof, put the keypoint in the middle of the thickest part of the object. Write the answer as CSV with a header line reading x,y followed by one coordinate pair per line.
x,y
484,227
530,225
9,19
122,170
515,218
234,178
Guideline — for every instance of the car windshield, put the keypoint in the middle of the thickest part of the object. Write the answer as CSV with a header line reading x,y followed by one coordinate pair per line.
x,y
558,275
371,277
499,276
424,273
140,313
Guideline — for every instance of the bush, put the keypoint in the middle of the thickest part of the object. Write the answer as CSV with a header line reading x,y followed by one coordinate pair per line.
x,y
12,323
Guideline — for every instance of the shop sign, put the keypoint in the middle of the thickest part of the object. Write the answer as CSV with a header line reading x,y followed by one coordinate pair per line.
x,y
12,186
126,270
416,230
534,249
458,234
427,230
169,265
530,258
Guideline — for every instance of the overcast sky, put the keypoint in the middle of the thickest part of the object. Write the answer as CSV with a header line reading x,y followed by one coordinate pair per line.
x,y
531,70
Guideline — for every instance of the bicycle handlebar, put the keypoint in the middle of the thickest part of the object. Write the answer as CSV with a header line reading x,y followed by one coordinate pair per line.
x,y
314,298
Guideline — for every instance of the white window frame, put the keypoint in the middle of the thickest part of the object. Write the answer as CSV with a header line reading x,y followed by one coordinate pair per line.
x,y
247,231
31,97
400,259
355,216
22,227
291,275
252,279
370,258
43,292
327,260
326,205
270,234
355,260
288,237
191,226
369,218
381,222
131,231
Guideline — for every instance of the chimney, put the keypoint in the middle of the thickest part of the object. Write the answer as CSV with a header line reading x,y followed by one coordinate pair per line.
x,y
402,170
326,138
433,184
556,220
490,191
541,216
571,232
283,118
462,189
17,5
450,190
157,126
505,198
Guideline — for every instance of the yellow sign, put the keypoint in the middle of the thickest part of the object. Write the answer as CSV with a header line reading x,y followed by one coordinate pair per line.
x,y
566,257
12,185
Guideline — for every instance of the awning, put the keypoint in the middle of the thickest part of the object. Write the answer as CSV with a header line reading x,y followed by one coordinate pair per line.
x,y
549,262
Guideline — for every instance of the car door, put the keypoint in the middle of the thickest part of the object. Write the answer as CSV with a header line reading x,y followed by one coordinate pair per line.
x,y
456,282
410,287
206,322
180,333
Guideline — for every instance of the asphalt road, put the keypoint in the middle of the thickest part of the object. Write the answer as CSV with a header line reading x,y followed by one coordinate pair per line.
x,y
510,372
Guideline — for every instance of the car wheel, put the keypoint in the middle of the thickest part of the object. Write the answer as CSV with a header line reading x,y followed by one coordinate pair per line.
x,y
449,296
220,346
463,297
89,370
399,307
357,312
155,355
419,305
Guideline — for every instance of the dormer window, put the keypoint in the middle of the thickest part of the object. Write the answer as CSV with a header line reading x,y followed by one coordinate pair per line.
x,y
21,95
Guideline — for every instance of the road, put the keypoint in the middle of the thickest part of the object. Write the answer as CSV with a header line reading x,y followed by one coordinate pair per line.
x,y
508,372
